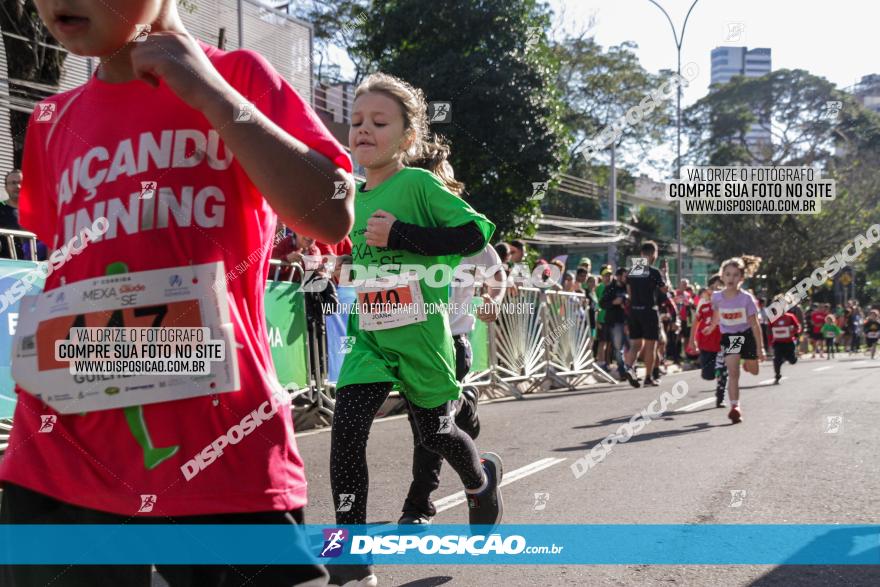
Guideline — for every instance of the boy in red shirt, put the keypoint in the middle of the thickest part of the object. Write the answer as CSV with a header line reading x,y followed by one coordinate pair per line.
x,y
784,333
711,362
818,321
221,137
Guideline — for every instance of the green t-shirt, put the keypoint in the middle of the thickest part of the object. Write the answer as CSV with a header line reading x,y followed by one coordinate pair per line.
x,y
831,330
418,358
600,291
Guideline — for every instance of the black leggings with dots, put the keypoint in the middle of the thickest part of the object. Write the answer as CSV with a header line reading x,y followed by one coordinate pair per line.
x,y
356,406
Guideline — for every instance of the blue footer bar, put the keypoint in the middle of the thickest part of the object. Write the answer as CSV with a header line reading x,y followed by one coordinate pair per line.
x,y
147,543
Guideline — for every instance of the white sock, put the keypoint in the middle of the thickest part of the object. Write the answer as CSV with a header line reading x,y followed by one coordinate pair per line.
x,y
734,403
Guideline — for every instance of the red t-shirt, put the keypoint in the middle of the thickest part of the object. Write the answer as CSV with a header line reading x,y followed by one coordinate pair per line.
x,y
109,138
818,319
343,247
785,328
711,342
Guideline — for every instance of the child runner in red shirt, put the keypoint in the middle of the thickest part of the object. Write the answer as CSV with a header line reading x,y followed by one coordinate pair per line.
x,y
784,333
166,109
711,359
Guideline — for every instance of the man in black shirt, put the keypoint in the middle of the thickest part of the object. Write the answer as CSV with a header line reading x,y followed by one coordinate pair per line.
x,y
9,213
643,284
614,303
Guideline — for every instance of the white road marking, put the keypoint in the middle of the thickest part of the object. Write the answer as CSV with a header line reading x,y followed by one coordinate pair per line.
x,y
824,368
695,405
458,498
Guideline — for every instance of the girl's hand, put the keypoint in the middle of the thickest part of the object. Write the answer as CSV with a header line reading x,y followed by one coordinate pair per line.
x,y
379,228
488,310
176,59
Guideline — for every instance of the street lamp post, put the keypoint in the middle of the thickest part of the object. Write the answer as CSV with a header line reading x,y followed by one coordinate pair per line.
x,y
678,43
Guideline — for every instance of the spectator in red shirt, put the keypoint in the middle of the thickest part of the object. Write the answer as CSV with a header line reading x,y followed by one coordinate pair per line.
x,y
784,333
298,249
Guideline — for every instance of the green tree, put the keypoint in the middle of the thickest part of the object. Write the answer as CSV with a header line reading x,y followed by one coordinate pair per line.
x,y
791,104
492,61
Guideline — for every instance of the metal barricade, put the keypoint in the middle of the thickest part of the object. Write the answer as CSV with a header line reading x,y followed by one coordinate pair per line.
x,y
516,344
569,341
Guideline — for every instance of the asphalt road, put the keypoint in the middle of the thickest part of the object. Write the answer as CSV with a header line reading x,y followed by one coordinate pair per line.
x,y
793,460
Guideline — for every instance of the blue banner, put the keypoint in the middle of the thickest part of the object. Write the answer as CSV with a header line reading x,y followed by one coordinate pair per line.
x,y
336,327
11,273
143,542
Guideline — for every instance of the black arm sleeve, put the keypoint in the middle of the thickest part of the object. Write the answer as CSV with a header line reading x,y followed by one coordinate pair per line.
x,y
439,240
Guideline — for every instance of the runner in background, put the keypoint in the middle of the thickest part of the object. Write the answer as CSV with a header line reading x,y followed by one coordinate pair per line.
x,y
817,320
712,364
418,507
102,467
830,332
643,283
397,344
784,334
803,341
736,311
872,331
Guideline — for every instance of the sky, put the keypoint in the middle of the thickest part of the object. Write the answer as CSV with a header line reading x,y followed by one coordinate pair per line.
x,y
838,40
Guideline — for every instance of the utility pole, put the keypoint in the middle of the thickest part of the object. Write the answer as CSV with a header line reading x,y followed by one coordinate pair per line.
x,y
678,42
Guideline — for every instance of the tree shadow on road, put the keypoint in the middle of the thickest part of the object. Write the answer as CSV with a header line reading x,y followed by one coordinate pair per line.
x,y
643,436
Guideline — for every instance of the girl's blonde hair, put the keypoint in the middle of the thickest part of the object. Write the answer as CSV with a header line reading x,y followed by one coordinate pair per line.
x,y
747,264
428,151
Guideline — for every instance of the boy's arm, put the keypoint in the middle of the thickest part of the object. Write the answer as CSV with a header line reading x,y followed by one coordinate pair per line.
x,y
297,181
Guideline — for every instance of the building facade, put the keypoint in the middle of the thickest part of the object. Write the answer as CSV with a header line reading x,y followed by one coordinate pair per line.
x,y
728,62
286,42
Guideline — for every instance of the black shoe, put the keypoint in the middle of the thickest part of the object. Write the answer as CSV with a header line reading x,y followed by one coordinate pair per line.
x,y
719,402
352,576
631,376
649,382
487,507
655,374
776,379
416,519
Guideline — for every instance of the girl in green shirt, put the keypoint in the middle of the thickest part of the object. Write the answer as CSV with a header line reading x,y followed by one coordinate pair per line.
x,y
405,215
830,332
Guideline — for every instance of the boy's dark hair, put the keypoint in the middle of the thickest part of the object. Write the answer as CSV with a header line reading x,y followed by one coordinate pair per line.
x,y
713,280
582,271
518,244
503,250
620,271
649,247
